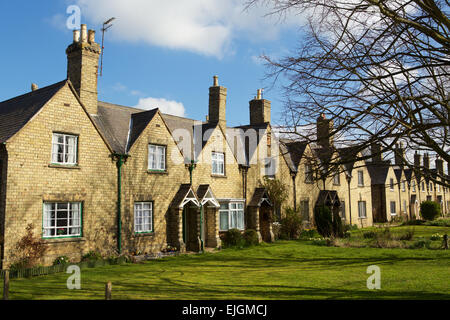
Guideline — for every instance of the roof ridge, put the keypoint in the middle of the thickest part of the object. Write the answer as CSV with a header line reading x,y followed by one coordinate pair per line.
x,y
40,90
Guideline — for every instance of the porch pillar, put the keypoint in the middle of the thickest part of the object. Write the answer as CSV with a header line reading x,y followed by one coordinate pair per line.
x,y
255,213
177,229
212,227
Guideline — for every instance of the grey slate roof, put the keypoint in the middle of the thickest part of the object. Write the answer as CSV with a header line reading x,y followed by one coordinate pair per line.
x,y
16,112
378,172
292,152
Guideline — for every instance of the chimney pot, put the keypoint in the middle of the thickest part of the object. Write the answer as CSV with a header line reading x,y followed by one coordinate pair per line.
x,y
216,81
84,36
76,36
258,94
91,36
34,87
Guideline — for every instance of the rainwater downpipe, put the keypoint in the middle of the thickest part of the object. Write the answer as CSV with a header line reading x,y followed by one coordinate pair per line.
x,y
120,161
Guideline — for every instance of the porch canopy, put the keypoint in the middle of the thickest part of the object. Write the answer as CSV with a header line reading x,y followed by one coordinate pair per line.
x,y
206,196
184,196
328,198
259,197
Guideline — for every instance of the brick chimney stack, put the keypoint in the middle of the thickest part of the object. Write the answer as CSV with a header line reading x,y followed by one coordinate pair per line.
x,y
439,165
324,131
82,66
399,154
217,104
377,156
426,161
259,109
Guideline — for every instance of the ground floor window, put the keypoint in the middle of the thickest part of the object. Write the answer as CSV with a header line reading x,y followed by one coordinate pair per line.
x,y
304,210
342,210
143,217
62,219
393,209
231,215
362,209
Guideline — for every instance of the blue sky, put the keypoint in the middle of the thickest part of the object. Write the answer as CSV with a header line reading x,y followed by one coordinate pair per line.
x,y
158,53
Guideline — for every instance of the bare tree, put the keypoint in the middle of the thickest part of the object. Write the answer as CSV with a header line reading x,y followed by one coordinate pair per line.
x,y
379,69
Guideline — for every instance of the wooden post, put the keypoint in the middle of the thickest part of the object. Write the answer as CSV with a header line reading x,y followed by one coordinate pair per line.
x,y
108,289
6,286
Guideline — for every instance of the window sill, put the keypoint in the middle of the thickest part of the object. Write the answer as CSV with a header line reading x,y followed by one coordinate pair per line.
x,y
157,172
63,240
218,176
144,234
64,166
360,186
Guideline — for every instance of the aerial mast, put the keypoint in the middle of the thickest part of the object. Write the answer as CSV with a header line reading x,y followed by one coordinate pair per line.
x,y
106,25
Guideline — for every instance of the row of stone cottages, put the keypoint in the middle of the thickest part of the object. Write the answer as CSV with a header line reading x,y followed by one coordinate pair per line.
x,y
91,175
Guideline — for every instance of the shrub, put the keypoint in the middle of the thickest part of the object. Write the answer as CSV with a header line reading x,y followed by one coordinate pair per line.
x,y
291,224
370,235
408,235
91,256
250,237
414,222
61,260
233,238
445,222
323,220
309,233
421,244
430,210
28,250
338,229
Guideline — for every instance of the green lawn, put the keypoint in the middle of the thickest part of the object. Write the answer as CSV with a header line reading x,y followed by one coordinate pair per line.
x,y
283,270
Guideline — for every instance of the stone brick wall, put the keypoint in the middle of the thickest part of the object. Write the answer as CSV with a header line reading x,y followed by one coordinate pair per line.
x,y
32,180
141,185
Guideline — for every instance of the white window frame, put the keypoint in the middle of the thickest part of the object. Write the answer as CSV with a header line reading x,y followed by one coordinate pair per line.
x,y
403,185
414,186
143,217
73,220
66,152
235,214
391,184
362,213
218,163
360,178
430,185
395,207
156,157
337,179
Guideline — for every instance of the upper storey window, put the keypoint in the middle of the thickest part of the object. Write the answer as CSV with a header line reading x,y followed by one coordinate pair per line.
x,y
64,149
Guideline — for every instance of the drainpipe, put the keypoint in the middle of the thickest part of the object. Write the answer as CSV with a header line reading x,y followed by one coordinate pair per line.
x,y
349,199
120,160
293,175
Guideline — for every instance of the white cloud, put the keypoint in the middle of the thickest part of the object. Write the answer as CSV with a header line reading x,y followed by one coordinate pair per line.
x,y
201,26
165,106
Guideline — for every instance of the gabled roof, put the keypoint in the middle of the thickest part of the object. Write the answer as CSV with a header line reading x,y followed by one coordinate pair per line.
x,y
16,112
378,172
205,195
139,122
184,195
114,122
292,152
259,197
328,198
398,173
